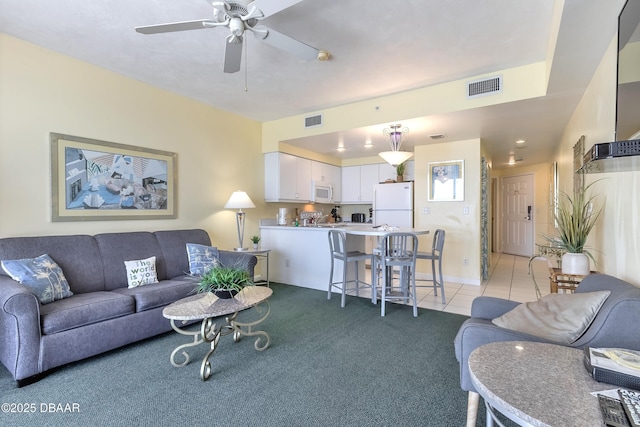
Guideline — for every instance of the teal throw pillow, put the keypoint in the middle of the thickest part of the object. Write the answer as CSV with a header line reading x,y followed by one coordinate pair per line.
x,y
41,275
201,258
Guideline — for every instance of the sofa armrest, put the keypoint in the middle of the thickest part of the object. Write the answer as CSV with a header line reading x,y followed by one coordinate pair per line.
x,y
234,258
490,307
19,329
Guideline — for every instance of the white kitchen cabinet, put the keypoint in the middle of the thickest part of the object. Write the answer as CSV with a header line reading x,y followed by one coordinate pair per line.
x,y
287,178
358,182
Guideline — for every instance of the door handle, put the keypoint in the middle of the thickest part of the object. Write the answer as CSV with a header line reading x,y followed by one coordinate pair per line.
x,y
528,217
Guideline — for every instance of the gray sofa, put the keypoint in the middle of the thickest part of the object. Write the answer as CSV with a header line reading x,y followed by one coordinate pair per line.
x,y
103,313
615,325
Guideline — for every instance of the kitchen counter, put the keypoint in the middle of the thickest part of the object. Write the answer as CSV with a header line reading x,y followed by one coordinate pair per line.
x,y
300,255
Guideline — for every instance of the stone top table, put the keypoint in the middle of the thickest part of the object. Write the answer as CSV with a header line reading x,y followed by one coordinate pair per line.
x,y
536,384
207,307
201,306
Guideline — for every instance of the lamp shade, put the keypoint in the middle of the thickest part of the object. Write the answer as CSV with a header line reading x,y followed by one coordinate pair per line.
x,y
394,158
239,200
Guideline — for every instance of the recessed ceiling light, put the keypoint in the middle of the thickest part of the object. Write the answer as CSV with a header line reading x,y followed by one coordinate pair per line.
x,y
520,142
341,149
368,143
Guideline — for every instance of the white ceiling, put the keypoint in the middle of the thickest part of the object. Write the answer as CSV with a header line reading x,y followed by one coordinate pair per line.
x,y
377,48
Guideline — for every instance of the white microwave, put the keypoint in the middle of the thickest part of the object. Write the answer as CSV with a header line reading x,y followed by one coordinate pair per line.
x,y
321,192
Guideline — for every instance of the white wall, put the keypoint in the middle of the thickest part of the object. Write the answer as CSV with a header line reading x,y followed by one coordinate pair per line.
x,y
42,92
616,237
462,239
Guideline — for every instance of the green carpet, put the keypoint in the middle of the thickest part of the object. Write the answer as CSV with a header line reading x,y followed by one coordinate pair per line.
x,y
327,366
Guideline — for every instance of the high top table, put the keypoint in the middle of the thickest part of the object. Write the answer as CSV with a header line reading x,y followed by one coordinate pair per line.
x,y
207,307
536,384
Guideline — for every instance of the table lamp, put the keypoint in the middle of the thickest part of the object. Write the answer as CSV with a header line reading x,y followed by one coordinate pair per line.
x,y
239,200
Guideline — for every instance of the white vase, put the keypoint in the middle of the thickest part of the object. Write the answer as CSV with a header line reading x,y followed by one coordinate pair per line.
x,y
577,264
255,246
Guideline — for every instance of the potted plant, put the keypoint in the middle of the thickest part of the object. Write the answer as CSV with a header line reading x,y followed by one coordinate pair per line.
x,y
255,239
400,171
225,281
575,216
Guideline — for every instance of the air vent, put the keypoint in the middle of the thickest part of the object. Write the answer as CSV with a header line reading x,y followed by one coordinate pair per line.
x,y
484,87
437,136
313,121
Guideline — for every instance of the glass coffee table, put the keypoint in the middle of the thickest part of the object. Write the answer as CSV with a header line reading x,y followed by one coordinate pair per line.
x,y
219,318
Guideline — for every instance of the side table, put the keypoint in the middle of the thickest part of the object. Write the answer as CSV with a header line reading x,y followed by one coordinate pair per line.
x,y
535,384
565,282
261,254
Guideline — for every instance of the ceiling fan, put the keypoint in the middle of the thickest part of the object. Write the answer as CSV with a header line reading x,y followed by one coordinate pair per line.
x,y
240,16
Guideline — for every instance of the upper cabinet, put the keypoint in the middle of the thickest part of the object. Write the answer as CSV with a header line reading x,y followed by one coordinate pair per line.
x,y
287,178
358,182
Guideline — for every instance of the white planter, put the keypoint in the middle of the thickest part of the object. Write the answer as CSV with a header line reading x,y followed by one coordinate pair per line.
x,y
575,264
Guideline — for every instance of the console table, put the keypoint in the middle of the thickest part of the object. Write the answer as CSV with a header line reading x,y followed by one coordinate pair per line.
x,y
207,307
535,384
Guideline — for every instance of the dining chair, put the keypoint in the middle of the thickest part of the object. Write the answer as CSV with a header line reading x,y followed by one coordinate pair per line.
x,y
397,250
338,248
435,255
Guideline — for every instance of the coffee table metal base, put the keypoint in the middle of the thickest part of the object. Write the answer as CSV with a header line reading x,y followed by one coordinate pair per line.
x,y
211,329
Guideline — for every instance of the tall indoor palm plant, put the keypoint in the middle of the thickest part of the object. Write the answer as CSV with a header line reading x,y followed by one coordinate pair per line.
x,y
575,217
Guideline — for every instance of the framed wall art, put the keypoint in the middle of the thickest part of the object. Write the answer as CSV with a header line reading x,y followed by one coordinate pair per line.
x,y
100,180
446,181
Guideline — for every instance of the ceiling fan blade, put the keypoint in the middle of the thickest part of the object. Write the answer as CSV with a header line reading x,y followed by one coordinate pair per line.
x,y
286,43
232,54
271,7
175,26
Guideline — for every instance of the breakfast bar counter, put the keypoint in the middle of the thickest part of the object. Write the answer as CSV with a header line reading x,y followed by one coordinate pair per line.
x,y
300,255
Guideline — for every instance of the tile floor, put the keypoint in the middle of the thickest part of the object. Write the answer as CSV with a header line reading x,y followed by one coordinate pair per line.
x,y
508,278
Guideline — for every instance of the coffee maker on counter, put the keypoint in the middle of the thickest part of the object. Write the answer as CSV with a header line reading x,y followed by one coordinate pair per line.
x,y
335,214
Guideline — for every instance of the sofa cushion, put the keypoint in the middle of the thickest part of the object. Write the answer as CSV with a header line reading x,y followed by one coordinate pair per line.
x,y
84,309
173,244
141,272
160,294
202,258
561,318
116,248
83,276
41,275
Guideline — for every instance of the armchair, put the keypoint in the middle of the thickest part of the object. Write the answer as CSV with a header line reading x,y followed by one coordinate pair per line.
x,y
615,325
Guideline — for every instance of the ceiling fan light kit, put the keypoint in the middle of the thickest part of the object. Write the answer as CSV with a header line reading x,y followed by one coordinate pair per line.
x,y
240,16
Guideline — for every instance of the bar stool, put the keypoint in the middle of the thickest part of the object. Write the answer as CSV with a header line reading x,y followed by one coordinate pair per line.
x,y
435,255
338,248
397,250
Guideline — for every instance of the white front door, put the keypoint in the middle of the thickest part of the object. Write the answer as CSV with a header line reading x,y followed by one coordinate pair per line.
x,y
517,215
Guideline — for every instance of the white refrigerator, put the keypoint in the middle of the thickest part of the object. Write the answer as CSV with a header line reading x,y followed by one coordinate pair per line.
x,y
393,204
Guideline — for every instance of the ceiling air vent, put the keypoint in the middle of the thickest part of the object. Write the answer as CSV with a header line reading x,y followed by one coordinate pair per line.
x,y
484,87
313,121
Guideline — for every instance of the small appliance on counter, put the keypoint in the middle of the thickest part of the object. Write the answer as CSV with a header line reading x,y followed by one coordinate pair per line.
x,y
335,214
357,217
283,217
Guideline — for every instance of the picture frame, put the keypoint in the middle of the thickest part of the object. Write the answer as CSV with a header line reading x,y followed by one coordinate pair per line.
x,y
446,181
93,180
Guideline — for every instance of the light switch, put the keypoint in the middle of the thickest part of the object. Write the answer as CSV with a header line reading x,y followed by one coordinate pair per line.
x,y
465,210
426,210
